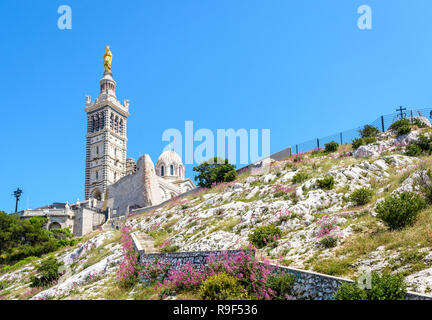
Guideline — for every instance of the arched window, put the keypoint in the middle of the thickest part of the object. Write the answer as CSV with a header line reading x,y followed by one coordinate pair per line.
x,y
97,123
162,171
112,122
121,126
171,170
116,125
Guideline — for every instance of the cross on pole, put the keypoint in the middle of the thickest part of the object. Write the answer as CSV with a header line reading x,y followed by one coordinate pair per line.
x,y
17,194
401,109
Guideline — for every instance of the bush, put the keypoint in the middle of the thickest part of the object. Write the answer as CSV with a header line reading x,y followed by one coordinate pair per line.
x,y
170,248
400,123
261,236
398,211
361,196
424,182
384,287
368,140
369,131
222,287
424,143
215,170
300,177
331,146
356,143
230,176
403,130
281,284
49,272
417,122
24,238
326,183
413,150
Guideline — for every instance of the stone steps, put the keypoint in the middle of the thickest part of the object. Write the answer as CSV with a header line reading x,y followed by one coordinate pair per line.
x,y
146,242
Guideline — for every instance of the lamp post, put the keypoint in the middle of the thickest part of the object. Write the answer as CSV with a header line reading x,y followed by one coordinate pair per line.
x,y
17,194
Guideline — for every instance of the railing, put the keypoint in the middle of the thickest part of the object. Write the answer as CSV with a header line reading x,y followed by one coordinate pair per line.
x,y
344,137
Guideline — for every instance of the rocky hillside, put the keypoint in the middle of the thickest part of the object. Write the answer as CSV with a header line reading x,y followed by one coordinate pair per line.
x,y
296,195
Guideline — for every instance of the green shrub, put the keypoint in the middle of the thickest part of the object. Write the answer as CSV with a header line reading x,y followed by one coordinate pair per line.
x,y
326,183
368,140
424,182
398,211
261,236
170,248
413,150
369,131
403,130
281,284
382,287
3,284
361,196
215,170
49,272
230,176
418,123
222,286
356,143
331,146
424,143
400,123
300,177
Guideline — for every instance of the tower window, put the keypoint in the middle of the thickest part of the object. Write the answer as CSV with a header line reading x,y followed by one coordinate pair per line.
x,y
162,171
172,170
97,174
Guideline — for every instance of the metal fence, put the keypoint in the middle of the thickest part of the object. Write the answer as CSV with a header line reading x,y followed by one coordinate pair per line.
x,y
345,137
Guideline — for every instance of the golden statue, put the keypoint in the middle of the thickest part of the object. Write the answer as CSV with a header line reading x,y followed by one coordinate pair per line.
x,y
107,58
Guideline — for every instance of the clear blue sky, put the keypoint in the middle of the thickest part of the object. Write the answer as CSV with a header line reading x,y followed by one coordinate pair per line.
x,y
300,68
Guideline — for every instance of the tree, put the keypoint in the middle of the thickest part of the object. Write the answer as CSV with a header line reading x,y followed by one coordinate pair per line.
x,y
24,238
214,170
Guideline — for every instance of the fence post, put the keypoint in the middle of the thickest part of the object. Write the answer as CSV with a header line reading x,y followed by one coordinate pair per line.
x,y
341,138
382,123
318,143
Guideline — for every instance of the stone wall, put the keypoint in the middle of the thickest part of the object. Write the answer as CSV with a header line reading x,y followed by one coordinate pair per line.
x,y
317,286
197,258
308,285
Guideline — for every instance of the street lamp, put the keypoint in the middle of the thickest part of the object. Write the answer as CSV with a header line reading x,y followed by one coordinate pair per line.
x,y
17,194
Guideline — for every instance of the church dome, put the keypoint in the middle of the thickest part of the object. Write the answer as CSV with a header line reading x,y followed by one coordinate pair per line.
x,y
170,165
170,157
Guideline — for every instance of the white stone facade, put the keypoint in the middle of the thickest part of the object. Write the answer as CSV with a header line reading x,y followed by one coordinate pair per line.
x,y
106,139
110,176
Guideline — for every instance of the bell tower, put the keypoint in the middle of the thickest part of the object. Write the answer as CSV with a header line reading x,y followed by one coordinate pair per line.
x,y
106,136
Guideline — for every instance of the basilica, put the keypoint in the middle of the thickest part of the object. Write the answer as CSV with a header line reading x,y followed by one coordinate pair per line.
x,y
113,179
114,183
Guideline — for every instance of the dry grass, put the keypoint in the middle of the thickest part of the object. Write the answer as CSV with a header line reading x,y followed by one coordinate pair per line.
x,y
358,246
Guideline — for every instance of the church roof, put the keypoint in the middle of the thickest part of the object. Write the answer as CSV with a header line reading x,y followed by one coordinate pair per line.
x,y
170,157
